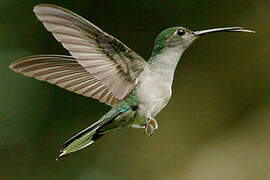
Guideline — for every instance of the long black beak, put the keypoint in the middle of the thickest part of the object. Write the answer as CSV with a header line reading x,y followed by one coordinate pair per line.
x,y
225,29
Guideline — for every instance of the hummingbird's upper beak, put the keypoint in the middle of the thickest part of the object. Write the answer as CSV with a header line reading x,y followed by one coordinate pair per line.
x,y
225,29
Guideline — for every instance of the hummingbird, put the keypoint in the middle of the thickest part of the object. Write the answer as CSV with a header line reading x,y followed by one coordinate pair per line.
x,y
103,68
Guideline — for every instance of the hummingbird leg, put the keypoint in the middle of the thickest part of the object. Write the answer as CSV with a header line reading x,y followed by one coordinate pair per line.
x,y
151,126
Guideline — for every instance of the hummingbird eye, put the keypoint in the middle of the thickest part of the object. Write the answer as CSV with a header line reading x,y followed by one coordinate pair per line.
x,y
180,32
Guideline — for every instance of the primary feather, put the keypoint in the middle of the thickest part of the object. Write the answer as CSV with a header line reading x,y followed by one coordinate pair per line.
x,y
102,55
65,72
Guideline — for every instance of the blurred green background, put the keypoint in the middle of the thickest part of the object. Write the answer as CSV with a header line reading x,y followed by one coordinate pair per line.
x,y
216,126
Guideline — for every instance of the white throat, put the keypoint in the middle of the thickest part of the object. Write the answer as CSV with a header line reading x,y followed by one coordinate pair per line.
x,y
166,62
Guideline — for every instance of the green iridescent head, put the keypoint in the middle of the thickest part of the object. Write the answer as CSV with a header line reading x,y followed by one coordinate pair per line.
x,y
173,37
181,38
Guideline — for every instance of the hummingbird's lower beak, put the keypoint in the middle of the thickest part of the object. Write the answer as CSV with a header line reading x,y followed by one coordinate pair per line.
x,y
225,29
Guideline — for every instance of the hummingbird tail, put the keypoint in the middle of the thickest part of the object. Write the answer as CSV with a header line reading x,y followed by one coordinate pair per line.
x,y
87,136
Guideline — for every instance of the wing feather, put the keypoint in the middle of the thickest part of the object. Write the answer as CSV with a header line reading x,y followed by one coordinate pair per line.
x,y
102,55
65,72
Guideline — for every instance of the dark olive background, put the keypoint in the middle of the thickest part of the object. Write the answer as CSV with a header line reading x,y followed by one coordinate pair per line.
x,y
216,126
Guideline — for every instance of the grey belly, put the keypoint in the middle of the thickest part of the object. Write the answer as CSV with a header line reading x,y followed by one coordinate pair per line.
x,y
153,93
151,104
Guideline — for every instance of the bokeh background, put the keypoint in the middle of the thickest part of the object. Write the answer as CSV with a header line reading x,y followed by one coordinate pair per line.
x,y
216,126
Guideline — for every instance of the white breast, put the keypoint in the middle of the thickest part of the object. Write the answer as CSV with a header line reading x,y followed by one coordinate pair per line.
x,y
155,82
154,93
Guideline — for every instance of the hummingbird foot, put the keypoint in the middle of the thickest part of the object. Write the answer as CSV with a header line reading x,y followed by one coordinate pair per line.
x,y
151,126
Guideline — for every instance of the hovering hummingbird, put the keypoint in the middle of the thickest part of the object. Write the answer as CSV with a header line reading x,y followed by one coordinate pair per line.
x,y
103,68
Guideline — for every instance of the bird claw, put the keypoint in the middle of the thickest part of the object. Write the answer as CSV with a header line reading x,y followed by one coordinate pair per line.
x,y
150,127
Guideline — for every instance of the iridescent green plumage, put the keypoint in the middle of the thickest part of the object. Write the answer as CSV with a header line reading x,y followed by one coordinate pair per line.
x,y
160,42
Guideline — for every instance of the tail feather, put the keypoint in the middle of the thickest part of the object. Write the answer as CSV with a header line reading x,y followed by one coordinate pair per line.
x,y
87,136
78,142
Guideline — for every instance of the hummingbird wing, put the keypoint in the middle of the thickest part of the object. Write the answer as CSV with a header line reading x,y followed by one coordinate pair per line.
x,y
103,56
65,72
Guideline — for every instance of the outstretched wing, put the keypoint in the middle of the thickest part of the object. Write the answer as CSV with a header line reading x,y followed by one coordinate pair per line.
x,y
103,56
65,72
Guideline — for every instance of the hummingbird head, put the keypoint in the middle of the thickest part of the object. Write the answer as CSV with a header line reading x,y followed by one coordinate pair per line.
x,y
181,38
